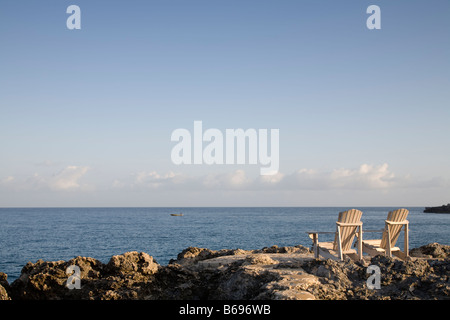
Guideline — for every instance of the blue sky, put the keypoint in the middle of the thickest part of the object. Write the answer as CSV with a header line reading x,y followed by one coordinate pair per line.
x,y
86,115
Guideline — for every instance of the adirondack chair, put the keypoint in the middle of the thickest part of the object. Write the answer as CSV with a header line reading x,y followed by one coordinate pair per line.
x,y
348,226
395,222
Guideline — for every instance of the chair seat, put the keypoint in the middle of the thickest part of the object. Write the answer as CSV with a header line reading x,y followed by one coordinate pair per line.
x,y
376,245
329,246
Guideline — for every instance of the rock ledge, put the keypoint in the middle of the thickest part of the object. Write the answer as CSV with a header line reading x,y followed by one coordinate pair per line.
x,y
275,273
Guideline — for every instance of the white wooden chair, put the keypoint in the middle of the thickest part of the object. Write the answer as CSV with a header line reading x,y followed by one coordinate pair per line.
x,y
395,222
348,226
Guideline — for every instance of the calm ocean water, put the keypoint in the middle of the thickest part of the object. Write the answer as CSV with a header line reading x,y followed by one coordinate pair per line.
x,y
29,234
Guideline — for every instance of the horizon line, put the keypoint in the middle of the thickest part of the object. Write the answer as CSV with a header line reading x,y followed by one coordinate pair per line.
x,y
151,207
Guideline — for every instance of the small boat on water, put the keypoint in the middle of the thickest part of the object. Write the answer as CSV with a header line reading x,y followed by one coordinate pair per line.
x,y
176,214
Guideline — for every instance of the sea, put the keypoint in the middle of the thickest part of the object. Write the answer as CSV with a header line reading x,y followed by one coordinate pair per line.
x,y
51,234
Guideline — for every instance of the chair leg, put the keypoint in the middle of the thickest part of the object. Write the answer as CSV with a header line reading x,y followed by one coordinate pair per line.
x,y
315,246
340,255
388,249
360,249
406,245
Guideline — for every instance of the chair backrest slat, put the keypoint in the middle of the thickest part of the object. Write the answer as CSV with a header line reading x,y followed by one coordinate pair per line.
x,y
347,233
398,215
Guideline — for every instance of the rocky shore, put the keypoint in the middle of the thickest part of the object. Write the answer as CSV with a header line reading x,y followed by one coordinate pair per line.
x,y
275,273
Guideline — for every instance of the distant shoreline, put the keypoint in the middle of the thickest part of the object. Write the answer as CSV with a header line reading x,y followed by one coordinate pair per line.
x,y
441,209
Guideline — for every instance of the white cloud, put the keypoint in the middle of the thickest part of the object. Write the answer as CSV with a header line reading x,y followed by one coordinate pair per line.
x,y
154,179
234,180
7,180
66,179
271,179
365,177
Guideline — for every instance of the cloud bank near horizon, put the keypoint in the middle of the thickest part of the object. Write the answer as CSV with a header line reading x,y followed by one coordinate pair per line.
x,y
365,177
84,186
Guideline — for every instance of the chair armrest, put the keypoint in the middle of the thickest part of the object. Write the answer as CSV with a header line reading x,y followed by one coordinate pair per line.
x,y
320,232
397,223
354,224
315,234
